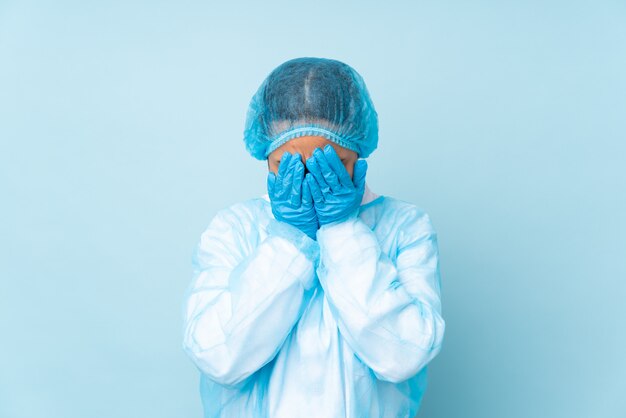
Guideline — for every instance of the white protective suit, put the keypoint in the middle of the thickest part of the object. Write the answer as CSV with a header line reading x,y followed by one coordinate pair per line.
x,y
281,325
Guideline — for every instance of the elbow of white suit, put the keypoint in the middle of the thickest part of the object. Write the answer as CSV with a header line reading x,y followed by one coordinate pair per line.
x,y
217,363
400,364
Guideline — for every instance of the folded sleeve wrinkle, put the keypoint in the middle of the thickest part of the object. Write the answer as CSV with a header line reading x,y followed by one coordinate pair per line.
x,y
388,311
244,298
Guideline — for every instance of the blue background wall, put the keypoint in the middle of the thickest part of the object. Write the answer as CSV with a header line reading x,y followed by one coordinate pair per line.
x,y
120,129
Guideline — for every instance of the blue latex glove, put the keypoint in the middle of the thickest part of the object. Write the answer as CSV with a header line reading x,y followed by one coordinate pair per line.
x,y
290,196
336,196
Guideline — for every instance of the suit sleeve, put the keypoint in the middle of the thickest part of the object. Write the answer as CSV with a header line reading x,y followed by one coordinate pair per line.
x,y
245,298
388,310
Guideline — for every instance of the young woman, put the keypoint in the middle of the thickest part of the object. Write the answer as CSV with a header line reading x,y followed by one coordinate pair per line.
x,y
319,298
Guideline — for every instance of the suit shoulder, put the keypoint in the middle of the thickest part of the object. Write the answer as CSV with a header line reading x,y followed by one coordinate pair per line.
x,y
238,213
403,209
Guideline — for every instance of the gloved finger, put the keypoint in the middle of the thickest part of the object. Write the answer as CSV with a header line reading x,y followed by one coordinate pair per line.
x,y
307,197
316,172
296,185
282,167
288,177
360,169
318,196
329,174
335,163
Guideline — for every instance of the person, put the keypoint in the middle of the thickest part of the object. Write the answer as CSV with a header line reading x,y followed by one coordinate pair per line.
x,y
319,298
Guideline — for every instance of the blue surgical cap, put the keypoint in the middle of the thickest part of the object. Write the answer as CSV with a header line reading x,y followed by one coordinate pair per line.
x,y
311,96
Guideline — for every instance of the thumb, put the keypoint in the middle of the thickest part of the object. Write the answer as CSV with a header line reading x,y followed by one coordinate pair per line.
x,y
271,179
358,176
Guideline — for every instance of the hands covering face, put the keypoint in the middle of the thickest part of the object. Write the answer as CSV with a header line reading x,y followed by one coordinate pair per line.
x,y
290,196
326,194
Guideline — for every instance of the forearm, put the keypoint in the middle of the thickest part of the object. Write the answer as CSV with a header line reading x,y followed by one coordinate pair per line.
x,y
238,319
394,331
